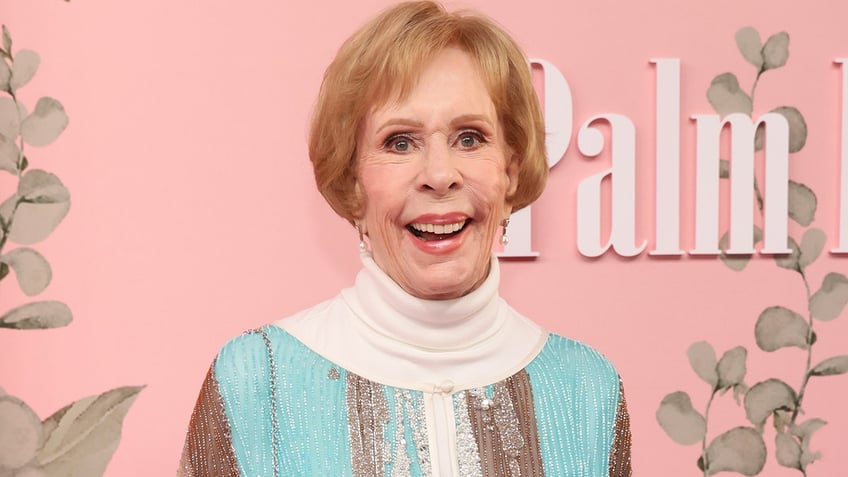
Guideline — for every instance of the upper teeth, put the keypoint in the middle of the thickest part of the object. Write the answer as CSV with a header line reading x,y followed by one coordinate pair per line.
x,y
439,228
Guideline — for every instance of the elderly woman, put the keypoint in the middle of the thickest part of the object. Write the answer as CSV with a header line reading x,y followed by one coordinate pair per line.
x,y
427,134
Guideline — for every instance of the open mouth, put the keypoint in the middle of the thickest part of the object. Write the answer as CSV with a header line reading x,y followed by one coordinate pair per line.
x,y
428,232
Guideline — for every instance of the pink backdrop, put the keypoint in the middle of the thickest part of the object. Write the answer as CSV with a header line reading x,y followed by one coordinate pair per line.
x,y
195,217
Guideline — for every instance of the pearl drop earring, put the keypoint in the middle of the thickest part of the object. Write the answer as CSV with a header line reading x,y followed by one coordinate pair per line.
x,y
362,245
504,236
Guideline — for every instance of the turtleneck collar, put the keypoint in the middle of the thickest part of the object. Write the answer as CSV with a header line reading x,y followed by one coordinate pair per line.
x,y
379,331
428,325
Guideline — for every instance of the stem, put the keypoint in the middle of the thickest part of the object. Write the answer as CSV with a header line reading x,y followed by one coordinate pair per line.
x,y
802,390
806,380
754,86
11,92
6,227
706,425
20,162
759,195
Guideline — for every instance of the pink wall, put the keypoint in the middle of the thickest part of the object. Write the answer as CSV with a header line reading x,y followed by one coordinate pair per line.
x,y
195,216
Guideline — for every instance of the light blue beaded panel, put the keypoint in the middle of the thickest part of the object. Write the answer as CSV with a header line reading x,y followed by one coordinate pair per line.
x,y
313,433
575,394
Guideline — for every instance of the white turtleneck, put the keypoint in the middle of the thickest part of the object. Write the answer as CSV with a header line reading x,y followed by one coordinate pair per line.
x,y
377,330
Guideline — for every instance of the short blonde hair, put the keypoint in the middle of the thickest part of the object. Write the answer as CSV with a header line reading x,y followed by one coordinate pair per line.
x,y
383,60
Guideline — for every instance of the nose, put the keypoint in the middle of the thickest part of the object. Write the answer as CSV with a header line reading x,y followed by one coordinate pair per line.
x,y
439,173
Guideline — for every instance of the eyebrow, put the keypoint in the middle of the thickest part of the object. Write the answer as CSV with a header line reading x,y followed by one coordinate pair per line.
x,y
400,122
465,118
470,118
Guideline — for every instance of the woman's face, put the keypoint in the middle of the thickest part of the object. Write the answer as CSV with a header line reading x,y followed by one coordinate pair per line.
x,y
435,171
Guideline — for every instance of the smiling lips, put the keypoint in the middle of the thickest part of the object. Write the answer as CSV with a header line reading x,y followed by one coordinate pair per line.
x,y
436,231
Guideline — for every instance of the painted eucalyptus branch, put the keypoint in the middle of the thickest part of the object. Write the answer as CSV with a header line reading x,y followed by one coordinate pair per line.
x,y
40,201
80,438
742,449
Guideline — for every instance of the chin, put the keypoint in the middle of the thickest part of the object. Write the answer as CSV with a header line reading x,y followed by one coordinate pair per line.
x,y
444,284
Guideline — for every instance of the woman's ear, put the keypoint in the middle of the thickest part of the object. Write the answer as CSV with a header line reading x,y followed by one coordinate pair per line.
x,y
358,209
513,168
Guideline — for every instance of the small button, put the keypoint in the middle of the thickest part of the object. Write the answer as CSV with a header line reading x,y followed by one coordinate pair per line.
x,y
446,386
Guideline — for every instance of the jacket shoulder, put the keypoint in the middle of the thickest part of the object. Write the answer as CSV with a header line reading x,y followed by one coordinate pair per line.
x,y
568,357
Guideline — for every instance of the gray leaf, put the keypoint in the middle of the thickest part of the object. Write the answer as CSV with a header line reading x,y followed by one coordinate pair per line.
x,y
20,433
808,458
750,45
779,327
37,315
802,203
791,261
35,222
24,68
42,187
831,366
740,449
703,360
812,245
788,451
9,155
732,368
829,301
5,75
726,97
683,424
85,434
776,51
736,262
797,129
31,269
805,430
44,202
766,397
45,124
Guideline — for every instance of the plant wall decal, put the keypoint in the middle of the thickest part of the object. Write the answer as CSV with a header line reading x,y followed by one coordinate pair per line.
x,y
80,438
743,449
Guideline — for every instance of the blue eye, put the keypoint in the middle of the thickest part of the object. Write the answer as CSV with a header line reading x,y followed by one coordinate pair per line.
x,y
470,139
398,143
401,145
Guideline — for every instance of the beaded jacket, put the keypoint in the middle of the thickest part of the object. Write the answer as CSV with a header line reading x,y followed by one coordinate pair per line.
x,y
350,388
